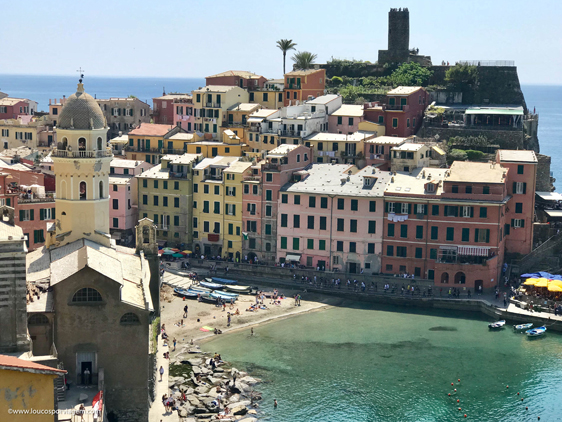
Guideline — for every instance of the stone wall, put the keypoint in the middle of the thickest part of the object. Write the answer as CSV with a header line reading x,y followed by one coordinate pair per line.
x,y
544,183
506,139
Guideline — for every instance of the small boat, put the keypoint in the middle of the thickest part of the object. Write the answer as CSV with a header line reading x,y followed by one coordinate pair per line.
x,y
238,289
206,297
185,293
200,288
225,294
211,285
226,298
536,332
223,280
522,327
496,325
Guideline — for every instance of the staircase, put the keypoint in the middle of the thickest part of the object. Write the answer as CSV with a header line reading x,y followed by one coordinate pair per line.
x,y
60,388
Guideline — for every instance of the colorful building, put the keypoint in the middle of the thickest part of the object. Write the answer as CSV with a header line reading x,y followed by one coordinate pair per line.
x,y
409,156
402,111
331,217
210,200
150,141
338,147
377,150
346,119
239,78
183,113
164,108
27,386
124,114
166,197
123,193
304,85
31,132
261,196
12,108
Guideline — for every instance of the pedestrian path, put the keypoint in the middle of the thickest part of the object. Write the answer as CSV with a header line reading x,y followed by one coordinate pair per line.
x,y
175,280
157,412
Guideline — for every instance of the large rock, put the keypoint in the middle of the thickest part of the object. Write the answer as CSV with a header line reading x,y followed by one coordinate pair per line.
x,y
195,362
234,398
196,370
214,381
248,420
239,410
252,412
249,380
193,400
202,389
219,370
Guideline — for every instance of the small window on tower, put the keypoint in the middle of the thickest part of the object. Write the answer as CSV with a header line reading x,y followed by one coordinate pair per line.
x,y
82,191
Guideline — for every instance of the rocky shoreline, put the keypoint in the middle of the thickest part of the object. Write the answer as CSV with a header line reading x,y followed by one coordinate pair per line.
x,y
211,392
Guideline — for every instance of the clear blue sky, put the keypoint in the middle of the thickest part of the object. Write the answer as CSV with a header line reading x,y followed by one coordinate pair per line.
x,y
195,38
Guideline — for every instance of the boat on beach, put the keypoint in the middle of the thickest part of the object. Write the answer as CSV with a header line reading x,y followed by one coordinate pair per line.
x,y
226,297
185,293
496,325
199,289
522,327
238,289
211,285
223,280
536,332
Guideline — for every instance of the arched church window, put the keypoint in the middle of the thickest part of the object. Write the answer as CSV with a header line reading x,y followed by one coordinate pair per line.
x,y
145,235
129,318
38,319
64,143
100,144
82,191
101,190
82,144
87,294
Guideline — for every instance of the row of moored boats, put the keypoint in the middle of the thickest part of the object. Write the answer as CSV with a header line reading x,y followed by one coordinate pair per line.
x,y
527,328
214,288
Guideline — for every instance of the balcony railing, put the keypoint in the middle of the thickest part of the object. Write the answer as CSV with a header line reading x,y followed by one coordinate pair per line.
x,y
213,105
35,200
81,154
396,107
173,151
294,86
289,132
255,129
175,175
212,177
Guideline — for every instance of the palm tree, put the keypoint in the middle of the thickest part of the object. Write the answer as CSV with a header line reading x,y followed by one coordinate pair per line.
x,y
284,46
304,59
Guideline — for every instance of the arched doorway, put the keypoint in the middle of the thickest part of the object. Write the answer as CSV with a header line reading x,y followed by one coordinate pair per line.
x,y
39,328
444,278
460,278
237,256
252,257
100,144
82,144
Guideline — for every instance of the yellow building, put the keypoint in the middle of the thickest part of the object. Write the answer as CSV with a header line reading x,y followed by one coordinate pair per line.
x,y
211,104
26,385
262,134
368,126
215,186
31,132
340,147
237,120
150,141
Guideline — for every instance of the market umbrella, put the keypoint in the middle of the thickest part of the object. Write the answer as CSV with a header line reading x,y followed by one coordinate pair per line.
x,y
167,249
531,281
186,251
169,252
542,282
160,252
177,255
175,249
552,287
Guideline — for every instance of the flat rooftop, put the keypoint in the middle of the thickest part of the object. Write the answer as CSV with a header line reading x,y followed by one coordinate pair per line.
x,y
517,156
323,99
404,90
414,184
349,110
471,172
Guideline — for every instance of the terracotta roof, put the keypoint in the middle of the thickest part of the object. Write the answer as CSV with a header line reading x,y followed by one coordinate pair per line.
x,y
15,364
303,72
151,129
404,90
240,73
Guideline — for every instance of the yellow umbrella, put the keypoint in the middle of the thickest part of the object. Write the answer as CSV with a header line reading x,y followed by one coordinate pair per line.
x,y
554,288
186,251
556,282
542,282
531,281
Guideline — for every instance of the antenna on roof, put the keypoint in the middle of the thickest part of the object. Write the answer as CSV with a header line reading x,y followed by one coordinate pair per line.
x,y
163,90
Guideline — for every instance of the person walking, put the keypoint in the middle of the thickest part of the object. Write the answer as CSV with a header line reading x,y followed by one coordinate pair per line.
x,y
228,320
185,311
174,349
161,372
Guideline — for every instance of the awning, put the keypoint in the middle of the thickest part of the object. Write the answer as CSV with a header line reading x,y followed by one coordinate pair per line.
x,y
554,213
293,257
505,111
448,248
550,196
473,250
255,119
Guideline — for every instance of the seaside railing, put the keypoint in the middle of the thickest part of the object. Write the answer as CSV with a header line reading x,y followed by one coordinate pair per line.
x,y
503,63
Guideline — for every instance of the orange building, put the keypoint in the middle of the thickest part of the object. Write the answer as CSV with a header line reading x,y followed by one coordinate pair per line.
x,y
303,85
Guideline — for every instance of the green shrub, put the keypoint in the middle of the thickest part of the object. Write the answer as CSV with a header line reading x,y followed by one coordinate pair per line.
x,y
456,155
337,81
474,155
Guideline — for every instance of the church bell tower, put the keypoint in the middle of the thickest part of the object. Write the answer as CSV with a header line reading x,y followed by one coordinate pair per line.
x,y
82,162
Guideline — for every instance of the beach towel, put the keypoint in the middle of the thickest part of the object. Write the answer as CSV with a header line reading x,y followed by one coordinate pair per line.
x,y
206,328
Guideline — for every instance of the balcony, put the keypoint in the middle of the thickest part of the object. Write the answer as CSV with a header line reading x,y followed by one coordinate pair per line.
x,y
289,132
252,178
396,107
213,177
81,154
294,86
173,151
35,199
271,167
177,175
213,105
255,129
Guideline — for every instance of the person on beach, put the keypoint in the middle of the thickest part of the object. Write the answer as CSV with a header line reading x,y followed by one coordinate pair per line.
x,y
174,349
228,320
252,331
161,372
185,311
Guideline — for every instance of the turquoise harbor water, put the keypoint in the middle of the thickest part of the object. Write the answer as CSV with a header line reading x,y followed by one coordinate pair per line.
x,y
367,364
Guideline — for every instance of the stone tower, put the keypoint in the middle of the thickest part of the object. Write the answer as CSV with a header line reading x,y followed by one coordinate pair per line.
x,y
398,37
82,161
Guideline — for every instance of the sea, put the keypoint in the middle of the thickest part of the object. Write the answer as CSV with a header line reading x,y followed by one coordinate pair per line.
x,y
545,99
366,363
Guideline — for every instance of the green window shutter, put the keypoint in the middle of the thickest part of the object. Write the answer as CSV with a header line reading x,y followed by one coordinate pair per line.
x,y
524,187
514,187
233,209
147,144
476,233
488,231
465,235
41,214
283,243
53,213
471,212
31,214
35,236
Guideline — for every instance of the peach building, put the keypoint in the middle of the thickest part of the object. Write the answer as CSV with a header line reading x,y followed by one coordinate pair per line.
x,y
346,119
331,217
303,85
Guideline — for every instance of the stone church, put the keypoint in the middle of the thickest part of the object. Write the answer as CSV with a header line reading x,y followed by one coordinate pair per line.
x,y
90,302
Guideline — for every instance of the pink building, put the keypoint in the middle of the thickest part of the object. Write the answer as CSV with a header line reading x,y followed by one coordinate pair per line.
x,y
11,108
261,197
163,108
240,78
123,191
346,119
521,182
183,113
331,217
377,150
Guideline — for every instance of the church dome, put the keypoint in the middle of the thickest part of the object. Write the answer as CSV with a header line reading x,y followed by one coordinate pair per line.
x,y
81,111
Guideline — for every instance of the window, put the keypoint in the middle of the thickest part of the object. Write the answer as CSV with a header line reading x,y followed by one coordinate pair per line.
x,y
115,204
310,244
312,202
419,209
451,211
144,183
83,191
217,228
176,220
268,229
486,190
27,215
284,198
339,246
419,232
520,169
297,199
352,247
323,202
311,222
455,189
407,122
268,195
340,223
353,226
354,205
230,209
283,243
519,187
468,189
467,212
217,190
516,223
296,221
372,206
194,222
482,235
341,203
483,212
395,122
145,199
435,210
86,294
418,253
269,177
390,250
370,248
519,207
206,207
205,188
403,230
350,121
402,251
252,243
206,226
433,254
177,203
340,120
44,214
450,234
434,232
465,235
165,201
372,226
381,119
390,230
115,188
38,236
296,245
217,207
155,200
322,223
252,209
268,209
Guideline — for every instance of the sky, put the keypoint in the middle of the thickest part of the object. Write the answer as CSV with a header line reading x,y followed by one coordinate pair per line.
x,y
197,38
